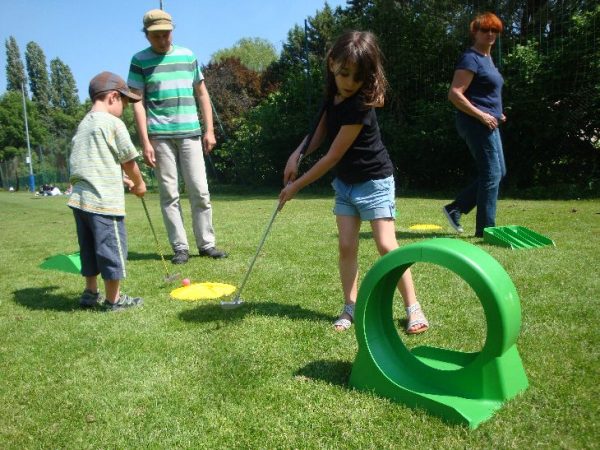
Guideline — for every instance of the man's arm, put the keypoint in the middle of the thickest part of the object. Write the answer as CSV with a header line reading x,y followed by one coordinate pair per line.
x,y
139,113
208,140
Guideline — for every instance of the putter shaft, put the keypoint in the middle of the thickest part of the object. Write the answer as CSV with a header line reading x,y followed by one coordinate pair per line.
x,y
236,300
168,278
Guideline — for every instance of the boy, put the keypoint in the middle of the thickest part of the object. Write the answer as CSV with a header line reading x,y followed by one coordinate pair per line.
x,y
101,150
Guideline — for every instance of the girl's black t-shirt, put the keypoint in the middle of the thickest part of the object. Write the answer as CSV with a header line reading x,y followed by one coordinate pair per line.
x,y
367,158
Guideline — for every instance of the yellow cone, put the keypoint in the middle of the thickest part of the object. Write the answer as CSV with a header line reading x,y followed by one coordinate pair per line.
x,y
425,227
202,291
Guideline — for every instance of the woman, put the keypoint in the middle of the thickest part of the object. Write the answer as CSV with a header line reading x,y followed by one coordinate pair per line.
x,y
476,92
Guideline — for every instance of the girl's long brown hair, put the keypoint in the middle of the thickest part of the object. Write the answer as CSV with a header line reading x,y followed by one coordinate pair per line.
x,y
360,48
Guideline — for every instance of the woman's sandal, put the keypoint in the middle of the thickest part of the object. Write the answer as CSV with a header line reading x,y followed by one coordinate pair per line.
x,y
416,310
343,324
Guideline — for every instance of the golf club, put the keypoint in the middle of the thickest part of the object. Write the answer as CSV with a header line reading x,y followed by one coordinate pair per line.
x,y
237,301
168,278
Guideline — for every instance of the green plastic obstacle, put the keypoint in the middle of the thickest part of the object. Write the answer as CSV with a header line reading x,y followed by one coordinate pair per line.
x,y
70,263
460,387
515,237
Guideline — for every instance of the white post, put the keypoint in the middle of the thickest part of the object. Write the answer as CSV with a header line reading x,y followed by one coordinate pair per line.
x,y
31,179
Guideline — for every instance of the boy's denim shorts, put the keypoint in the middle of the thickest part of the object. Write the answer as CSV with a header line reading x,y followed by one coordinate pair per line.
x,y
370,200
102,244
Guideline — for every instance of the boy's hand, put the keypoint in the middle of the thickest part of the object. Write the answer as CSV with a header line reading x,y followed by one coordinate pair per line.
x,y
127,182
139,190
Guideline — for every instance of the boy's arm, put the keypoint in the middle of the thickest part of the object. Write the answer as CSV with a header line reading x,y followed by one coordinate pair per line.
x,y
208,140
132,171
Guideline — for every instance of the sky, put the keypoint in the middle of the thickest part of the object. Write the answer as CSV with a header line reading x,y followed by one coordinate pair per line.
x,y
94,36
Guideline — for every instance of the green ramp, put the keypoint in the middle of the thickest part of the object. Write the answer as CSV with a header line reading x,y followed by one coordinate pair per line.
x,y
70,263
515,237
464,388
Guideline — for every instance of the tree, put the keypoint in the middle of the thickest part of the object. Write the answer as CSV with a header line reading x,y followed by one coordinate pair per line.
x,y
15,71
254,53
12,131
38,76
63,91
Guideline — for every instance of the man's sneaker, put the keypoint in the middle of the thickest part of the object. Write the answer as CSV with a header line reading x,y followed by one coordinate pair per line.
x,y
213,252
180,257
453,216
90,299
123,302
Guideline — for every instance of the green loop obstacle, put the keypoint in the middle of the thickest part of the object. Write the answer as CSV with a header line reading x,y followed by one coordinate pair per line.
x,y
459,387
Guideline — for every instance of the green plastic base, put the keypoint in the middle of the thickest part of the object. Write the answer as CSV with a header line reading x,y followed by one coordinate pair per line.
x,y
414,390
460,387
515,237
70,263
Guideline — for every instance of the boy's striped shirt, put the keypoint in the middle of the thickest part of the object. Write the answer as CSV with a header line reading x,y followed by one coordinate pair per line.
x,y
101,144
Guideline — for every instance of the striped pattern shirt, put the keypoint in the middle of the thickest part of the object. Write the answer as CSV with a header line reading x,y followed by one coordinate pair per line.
x,y
99,147
167,83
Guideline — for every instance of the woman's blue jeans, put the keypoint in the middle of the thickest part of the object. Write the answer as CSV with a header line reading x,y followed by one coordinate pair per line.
x,y
486,147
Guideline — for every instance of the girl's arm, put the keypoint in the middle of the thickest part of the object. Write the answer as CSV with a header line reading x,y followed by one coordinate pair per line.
x,y
342,142
291,168
460,83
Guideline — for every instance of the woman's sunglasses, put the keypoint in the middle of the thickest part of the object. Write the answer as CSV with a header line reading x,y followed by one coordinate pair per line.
x,y
487,30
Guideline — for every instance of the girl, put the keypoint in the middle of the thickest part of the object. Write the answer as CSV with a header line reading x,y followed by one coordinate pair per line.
x,y
364,183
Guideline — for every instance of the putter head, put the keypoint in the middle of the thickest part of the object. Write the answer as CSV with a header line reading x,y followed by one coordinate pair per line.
x,y
172,278
234,304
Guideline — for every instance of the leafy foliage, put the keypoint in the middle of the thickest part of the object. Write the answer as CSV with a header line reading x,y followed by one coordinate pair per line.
x,y
15,71
254,53
38,76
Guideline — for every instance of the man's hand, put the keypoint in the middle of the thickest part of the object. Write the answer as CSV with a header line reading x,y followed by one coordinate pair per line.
x,y
208,142
149,156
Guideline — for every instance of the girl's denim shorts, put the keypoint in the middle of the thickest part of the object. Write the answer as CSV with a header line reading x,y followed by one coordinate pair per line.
x,y
370,200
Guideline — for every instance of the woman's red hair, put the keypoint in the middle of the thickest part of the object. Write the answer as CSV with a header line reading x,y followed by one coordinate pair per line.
x,y
485,20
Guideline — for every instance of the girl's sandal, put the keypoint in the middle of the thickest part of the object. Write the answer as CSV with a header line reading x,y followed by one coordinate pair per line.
x,y
343,324
416,311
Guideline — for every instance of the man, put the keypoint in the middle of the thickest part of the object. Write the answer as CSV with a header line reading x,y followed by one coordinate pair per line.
x,y
170,82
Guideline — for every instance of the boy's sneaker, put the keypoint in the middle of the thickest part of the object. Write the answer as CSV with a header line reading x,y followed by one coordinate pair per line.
x,y
213,252
180,257
123,302
90,299
453,216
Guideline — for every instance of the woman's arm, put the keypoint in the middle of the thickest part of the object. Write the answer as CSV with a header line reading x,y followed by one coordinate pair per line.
x,y
460,83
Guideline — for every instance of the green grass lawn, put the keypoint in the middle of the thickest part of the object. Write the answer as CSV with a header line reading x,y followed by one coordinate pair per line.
x,y
274,374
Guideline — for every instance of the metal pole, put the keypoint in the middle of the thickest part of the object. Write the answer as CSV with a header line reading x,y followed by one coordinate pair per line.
x,y
31,178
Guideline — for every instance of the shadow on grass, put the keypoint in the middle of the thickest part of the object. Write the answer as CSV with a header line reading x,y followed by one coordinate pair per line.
x,y
330,371
214,313
135,256
45,298
400,235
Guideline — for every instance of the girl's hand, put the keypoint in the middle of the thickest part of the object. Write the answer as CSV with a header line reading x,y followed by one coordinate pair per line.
x,y
287,193
290,172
